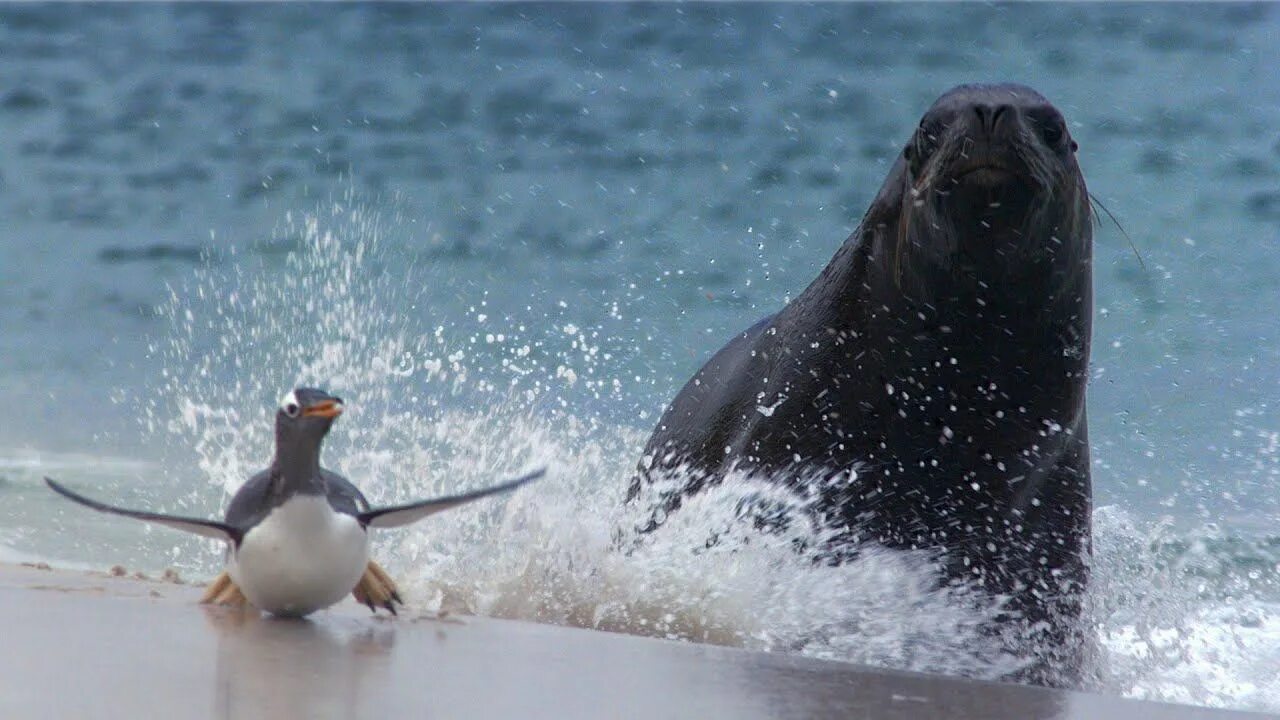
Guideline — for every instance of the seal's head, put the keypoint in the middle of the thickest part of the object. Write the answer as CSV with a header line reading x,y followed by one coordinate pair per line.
x,y
988,187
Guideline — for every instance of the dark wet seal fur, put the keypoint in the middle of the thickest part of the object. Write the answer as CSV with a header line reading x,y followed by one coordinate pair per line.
x,y
934,374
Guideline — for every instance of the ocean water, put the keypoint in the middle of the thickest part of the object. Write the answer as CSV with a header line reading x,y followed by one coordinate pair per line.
x,y
507,234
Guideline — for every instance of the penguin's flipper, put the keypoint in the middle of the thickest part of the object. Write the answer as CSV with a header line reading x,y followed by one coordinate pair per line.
x,y
398,515
376,589
207,528
222,591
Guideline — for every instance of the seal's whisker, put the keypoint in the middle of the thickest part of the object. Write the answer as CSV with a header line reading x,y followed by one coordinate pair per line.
x,y
1095,201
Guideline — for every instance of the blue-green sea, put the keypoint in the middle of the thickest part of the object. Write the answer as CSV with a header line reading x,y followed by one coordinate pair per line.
x,y
507,234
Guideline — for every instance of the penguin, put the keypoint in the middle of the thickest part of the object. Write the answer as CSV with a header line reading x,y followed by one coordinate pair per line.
x,y
297,533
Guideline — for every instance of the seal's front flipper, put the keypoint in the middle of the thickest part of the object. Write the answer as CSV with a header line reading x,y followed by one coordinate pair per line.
x,y
376,589
207,528
397,515
222,591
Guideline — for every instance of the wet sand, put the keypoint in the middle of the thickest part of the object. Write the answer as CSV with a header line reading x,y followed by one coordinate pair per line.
x,y
90,645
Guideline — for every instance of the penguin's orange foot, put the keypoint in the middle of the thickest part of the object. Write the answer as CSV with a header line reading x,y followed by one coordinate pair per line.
x,y
376,589
222,591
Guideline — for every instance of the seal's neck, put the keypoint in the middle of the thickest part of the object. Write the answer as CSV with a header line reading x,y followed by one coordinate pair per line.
x,y
978,303
1002,317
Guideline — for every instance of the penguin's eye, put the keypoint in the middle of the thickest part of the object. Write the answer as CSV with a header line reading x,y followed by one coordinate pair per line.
x,y
289,405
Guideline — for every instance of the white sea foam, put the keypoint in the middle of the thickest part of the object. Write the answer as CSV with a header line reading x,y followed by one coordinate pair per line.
x,y
1184,626
30,465
11,556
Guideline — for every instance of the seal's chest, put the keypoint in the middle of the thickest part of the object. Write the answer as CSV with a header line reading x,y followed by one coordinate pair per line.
x,y
302,557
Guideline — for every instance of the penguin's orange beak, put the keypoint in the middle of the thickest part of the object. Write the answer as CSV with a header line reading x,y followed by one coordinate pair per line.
x,y
325,409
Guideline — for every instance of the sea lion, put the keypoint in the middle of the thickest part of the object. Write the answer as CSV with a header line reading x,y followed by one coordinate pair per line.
x,y
934,373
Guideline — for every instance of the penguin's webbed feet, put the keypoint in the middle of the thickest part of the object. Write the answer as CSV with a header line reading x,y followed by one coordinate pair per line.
x,y
376,589
222,591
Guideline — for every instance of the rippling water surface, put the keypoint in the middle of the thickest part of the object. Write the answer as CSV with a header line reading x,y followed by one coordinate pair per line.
x,y
507,234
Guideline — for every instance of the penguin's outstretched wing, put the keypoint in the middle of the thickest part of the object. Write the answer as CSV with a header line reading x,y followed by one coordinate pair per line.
x,y
398,515
207,528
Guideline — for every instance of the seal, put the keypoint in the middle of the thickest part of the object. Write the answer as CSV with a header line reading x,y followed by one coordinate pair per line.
x,y
298,534
927,390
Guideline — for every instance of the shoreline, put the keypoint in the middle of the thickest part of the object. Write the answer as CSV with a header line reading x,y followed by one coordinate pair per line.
x,y
93,644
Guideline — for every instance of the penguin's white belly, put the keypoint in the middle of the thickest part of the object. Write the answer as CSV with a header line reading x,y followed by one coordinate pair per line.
x,y
302,557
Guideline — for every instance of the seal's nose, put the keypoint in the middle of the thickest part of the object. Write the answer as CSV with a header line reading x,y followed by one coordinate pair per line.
x,y
993,119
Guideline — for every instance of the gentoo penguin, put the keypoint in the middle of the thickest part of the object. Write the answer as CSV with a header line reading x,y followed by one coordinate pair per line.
x,y
298,533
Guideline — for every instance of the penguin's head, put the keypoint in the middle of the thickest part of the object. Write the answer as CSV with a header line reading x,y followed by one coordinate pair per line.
x,y
306,414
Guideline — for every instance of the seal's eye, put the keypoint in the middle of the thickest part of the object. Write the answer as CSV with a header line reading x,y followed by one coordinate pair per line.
x,y
1052,131
925,141
289,405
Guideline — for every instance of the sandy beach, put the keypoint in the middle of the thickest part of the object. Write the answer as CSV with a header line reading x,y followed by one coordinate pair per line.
x,y
95,645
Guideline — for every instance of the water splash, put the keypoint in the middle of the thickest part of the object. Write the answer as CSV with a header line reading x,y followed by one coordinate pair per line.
x,y
433,408
567,554
440,404
1186,621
